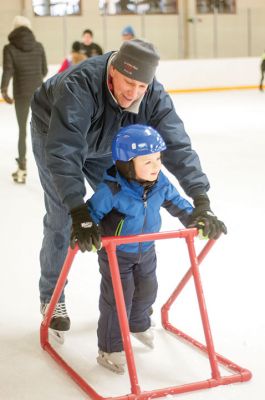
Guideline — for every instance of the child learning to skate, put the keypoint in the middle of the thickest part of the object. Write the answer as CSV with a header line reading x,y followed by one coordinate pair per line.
x,y
127,202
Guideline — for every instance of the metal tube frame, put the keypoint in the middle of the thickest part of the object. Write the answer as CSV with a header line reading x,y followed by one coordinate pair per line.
x,y
110,243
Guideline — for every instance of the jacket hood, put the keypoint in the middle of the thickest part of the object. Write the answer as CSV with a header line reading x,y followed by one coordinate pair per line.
x,y
22,38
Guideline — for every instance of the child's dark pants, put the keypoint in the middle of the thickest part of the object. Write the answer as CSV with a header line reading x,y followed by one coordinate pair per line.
x,y
138,277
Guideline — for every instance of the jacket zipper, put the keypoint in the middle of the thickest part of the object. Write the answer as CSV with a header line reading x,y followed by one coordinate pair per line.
x,y
145,207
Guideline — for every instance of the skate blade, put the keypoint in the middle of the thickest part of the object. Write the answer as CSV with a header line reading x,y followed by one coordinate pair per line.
x,y
19,181
57,335
116,368
147,343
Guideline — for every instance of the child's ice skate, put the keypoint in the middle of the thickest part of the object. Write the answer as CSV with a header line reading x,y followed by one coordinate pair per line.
x,y
115,362
20,175
60,321
146,337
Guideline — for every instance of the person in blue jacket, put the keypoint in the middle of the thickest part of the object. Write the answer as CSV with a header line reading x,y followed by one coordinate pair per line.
x,y
127,202
75,116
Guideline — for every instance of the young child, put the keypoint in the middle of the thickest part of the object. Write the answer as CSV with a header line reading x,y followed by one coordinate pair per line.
x,y
127,202
76,56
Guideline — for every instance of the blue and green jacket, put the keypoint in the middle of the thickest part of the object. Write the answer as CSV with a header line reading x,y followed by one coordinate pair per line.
x,y
130,208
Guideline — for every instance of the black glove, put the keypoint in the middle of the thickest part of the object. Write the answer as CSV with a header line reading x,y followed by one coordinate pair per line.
x,y
6,97
84,231
203,218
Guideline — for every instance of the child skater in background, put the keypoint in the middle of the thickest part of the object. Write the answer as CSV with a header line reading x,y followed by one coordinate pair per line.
x,y
127,202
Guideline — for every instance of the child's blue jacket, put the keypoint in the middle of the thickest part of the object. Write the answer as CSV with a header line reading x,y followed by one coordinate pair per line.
x,y
128,208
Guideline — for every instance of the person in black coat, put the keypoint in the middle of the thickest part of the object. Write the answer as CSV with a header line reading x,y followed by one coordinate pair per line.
x,y
24,60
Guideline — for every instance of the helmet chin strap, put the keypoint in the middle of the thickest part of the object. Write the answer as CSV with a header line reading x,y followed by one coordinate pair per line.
x,y
126,169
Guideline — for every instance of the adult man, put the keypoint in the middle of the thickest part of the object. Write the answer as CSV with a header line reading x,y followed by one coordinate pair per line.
x,y
90,48
75,116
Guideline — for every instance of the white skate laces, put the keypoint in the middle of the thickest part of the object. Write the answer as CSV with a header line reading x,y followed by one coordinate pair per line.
x,y
60,322
115,361
59,311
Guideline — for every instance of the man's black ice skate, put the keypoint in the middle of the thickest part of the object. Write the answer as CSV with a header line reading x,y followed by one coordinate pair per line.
x,y
60,321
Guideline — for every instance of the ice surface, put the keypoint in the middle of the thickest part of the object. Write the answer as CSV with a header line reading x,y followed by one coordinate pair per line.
x,y
228,131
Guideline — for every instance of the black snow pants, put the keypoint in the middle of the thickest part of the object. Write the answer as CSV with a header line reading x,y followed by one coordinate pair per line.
x,y
22,107
139,282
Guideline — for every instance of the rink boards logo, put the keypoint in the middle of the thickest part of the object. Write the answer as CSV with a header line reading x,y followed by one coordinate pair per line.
x,y
129,68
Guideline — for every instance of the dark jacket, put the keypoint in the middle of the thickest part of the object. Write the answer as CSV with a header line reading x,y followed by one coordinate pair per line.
x,y
91,50
80,116
24,60
129,208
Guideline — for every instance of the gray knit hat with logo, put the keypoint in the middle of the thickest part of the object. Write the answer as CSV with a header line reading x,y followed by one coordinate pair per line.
x,y
137,60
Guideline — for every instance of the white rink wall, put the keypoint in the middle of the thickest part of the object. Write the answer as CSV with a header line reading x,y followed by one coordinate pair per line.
x,y
221,73
205,74
209,73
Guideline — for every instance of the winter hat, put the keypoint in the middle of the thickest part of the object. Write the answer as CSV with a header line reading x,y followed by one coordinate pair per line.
x,y
19,20
128,30
137,60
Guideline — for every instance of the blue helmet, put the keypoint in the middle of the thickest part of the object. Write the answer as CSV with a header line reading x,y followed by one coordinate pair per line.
x,y
136,140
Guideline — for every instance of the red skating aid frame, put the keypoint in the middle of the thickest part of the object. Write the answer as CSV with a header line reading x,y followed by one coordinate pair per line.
x,y
110,243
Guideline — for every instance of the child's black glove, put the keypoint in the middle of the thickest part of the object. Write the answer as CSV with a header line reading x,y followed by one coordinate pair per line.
x,y
84,231
203,219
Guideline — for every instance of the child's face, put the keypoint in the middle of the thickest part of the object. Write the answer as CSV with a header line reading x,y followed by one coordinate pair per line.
x,y
147,167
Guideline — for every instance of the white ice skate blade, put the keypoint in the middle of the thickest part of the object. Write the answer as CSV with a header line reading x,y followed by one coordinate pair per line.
x,y
57,335
19,176
23,181
148,342
117,368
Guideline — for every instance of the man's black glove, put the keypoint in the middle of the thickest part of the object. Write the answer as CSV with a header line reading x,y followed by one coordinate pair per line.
x,y
6,97
84,231
203,218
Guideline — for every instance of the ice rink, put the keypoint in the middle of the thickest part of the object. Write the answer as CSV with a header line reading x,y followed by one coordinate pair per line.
x,y
228,132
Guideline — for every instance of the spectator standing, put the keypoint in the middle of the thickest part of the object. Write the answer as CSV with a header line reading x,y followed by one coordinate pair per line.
x,y
262,70
24,60
77,55
90,48
127,33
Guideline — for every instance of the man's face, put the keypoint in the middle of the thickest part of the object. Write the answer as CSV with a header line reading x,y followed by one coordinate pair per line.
x,y
87,39
126,90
